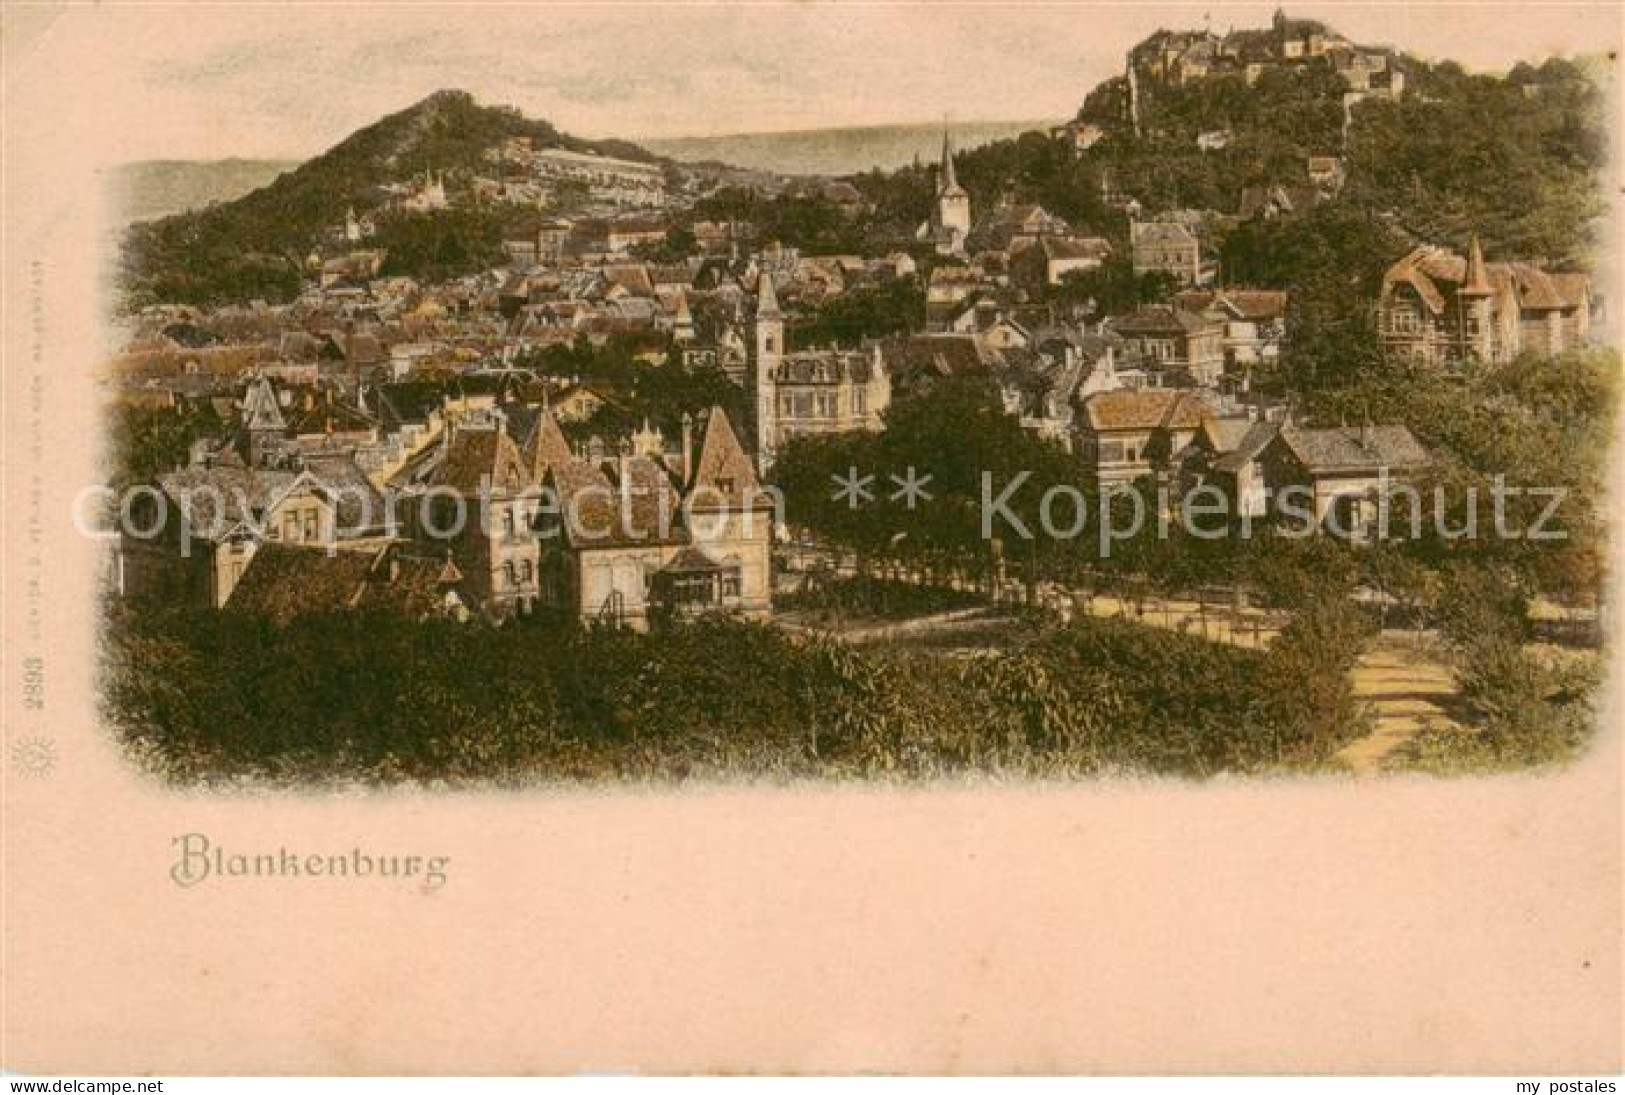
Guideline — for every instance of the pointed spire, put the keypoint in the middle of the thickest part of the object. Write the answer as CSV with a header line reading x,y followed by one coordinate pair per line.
x,y
546,446
1478,279
949,180
767,299
724,470
260,410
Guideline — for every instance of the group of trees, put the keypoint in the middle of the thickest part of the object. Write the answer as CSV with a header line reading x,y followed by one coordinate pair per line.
x,y
635,390
1518,160
1535,430
893,307
809,221
955,434
1112,288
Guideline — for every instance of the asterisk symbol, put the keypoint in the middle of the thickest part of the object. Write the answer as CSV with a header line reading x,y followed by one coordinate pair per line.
x,y
853,487
911,488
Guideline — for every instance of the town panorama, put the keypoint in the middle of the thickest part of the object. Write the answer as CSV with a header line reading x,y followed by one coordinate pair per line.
x,y
1253,420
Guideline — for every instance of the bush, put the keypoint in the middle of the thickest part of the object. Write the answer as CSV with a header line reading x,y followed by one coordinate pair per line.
x,y
206,697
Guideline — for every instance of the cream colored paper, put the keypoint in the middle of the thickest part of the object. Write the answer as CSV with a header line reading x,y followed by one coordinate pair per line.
x,y
1327,925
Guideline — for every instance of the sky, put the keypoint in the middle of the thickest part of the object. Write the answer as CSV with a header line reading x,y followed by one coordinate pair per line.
x,y
213,80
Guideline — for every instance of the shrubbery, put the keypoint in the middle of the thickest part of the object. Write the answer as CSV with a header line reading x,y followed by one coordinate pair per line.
x,y
209,697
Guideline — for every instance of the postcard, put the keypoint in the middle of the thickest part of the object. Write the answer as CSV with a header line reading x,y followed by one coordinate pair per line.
x,y
811,538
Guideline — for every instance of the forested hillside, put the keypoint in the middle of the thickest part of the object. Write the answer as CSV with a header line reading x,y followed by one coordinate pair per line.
x,y
255,246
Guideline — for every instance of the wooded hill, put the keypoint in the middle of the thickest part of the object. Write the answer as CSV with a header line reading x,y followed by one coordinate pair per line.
x,y
256,246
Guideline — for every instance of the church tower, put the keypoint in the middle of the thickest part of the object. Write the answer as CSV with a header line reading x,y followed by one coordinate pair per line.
x,y
950,220
1478,327
768,351
262,422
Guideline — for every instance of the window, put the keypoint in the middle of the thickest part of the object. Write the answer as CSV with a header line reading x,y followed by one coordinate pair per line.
x,y
507,521
290,526
860,401
526,573
508,576
310,524
826,403
693,589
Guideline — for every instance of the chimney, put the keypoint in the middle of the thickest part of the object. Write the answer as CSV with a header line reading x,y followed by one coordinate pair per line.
x,y
688,447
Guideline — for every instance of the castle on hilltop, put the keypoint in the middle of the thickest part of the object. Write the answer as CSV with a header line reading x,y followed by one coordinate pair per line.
x,y
1180,58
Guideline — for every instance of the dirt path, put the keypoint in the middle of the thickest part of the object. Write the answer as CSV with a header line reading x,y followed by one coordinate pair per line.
x,y
1407,690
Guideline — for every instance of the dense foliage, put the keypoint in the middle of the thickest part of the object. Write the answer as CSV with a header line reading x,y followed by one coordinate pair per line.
x,y
1515,159
634,390
895,307
216,697
1540,425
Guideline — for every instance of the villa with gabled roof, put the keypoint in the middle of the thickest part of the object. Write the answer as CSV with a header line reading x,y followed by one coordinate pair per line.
x,y
1440,308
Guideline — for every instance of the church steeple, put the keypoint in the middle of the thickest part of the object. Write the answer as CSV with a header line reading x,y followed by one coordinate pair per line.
x,y
950,218
950,181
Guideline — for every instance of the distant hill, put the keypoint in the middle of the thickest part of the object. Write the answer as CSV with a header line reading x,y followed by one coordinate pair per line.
x,y
837,151
255,246
151,189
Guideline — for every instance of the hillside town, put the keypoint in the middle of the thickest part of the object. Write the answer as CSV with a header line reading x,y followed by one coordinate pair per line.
x,y
641,353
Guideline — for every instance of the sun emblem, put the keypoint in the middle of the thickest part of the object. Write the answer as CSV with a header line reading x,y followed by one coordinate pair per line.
x,y
34,757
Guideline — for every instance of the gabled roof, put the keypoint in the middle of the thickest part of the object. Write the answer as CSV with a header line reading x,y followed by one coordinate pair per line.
x,y
1159,319
1250,304
1234,453
216,501
1076,247
1161,234
357,503
1353,448
625,502
471,457
409,402
545,446
285,581
1157,408
327,414
724,477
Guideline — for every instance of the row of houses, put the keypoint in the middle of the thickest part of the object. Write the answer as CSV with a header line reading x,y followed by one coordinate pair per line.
x,y
497,517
